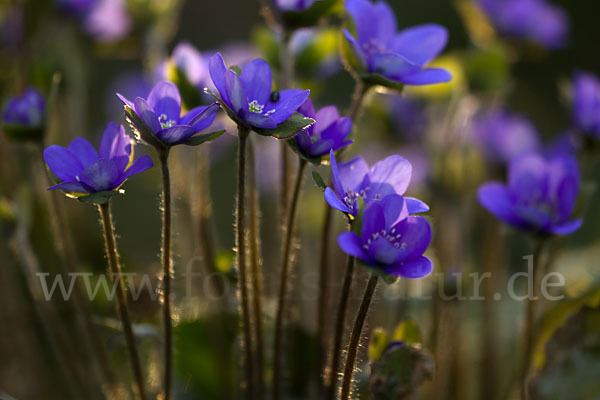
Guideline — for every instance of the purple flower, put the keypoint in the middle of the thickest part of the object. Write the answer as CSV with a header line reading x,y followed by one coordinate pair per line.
x,y
27,110
107,21
161,114
540,195
328,133
586,103
503,136
355,179
534,20
397,56
294,5
190,62
78,7
391,239
249,94
82,170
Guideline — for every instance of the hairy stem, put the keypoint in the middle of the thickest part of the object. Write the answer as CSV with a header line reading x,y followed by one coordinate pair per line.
x,y
283,286
358,97
340,326
286,77
166,271
115,269
530,318
241,262
255,266
353,346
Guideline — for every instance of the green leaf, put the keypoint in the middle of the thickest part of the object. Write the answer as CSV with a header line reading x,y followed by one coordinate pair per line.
x,y
408,332
100,197
206,137
236,69
378,271
319,180
141,130
380,80
316,161
287,128
380,340
400,372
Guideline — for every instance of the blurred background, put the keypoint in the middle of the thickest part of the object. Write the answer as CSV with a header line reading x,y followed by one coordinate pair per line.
x,y
79,53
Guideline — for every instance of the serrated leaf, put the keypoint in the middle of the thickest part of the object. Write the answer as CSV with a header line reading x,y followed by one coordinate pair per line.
x,y
377,271
319,180
141,131
316,161
100,197
206,137
408,332
287,128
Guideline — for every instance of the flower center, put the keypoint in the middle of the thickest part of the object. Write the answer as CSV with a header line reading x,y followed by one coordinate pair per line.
x,y
254,107
165,122
372,46
392,237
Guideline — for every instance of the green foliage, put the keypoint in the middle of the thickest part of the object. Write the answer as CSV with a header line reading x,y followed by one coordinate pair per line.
x,y
100,197
318,179
287,128
206,137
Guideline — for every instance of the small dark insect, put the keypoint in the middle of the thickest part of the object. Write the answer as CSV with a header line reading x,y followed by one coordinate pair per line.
x,y
275,97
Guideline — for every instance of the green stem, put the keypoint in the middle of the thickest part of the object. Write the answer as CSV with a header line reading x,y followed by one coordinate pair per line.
x,y
166,271
241,261
115,269
355,337
530,318
255,263
340,325
358,97
283,286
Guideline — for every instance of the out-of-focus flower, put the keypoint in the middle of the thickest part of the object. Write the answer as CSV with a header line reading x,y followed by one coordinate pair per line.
x,y
316,52
502,136
354,179
328,133
294,5
391,239
84,171
408,115
586,103
130,84
160,113
29,109
107,20
77,7
24,116
249,96
401,56
540,195
533,20
187,59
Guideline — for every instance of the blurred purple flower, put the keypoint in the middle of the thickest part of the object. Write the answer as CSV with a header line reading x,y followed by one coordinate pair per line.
x,y
82,170
130,84
398,56
328,133
355,179
161,113
27,110
540,195
534,20
294,5
586,103
502,135
249,94
408,115
107,21
191,62
77,7
391,239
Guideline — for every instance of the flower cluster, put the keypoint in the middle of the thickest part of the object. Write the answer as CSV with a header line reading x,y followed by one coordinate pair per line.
x,y
397,56
84,171
540,194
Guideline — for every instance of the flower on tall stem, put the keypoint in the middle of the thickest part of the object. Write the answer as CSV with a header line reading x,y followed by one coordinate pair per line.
x,y
24,116
248,98
382,55
328,133
391,239
355,179
585,99
157,120
83,171
540,194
